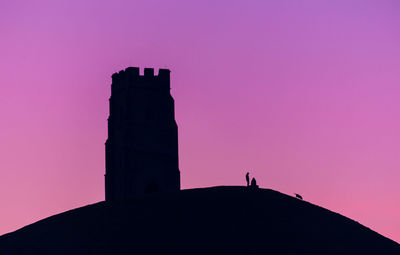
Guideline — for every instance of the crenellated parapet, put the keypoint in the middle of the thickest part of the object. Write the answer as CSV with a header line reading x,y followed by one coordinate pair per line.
x,y
131,77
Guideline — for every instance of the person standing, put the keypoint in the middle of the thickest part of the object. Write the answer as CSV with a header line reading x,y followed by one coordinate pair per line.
x,y
248,179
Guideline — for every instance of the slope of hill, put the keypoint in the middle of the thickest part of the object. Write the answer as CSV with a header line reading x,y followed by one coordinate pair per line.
x,y
219,220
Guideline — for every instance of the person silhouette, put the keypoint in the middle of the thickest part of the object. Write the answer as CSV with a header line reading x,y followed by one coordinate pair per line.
x,y
247,179
254,183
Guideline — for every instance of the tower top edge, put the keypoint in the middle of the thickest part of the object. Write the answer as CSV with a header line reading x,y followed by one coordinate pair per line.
x,y
135,72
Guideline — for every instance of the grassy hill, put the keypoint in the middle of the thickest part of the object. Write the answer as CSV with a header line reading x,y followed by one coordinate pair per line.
x,y
219,220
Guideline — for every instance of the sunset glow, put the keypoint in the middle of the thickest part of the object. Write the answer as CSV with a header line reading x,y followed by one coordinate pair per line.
x,y
304,95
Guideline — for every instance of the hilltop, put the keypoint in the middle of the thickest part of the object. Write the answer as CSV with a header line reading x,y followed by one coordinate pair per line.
x,y
218,220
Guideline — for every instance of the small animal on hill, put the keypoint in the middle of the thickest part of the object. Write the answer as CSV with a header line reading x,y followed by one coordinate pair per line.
x,y
298,196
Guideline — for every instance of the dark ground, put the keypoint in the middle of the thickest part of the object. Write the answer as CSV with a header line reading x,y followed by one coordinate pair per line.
x,y
219,220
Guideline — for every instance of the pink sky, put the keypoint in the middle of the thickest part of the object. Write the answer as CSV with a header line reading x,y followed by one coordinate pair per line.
x,y
303,94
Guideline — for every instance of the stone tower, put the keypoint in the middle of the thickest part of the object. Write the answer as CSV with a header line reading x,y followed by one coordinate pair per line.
x,y
142,144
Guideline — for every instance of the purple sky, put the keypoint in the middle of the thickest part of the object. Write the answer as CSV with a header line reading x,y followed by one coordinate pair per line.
x,y
303,94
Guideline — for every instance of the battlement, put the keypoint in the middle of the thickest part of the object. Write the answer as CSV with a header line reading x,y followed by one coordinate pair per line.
x,y
132,75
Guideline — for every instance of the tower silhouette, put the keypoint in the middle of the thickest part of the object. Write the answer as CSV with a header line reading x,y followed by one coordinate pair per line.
x,y
142,144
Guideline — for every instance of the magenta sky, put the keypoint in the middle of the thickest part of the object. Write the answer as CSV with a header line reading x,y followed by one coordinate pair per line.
x,y
303,94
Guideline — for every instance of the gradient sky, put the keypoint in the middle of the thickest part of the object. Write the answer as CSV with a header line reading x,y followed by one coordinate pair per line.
x,y
303,94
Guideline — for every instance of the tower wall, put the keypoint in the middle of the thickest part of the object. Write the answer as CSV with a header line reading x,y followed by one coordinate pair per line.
x,y
142,144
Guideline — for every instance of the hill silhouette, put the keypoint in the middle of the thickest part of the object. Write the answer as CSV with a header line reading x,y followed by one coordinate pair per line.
x,y
218,220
